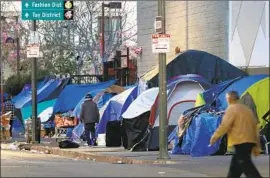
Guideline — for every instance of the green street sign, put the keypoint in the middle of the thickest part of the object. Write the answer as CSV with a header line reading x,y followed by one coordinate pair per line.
x,y
47,10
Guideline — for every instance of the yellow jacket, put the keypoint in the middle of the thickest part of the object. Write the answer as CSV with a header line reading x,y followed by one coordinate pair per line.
x,y
240,125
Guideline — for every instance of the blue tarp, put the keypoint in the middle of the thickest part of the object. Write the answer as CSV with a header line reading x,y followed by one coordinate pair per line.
x,y
18,127
197,137
25,97
115,107
196,140
26,89
72,95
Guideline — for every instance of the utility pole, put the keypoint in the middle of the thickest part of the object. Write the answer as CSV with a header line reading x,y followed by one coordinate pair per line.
x,y
103,41
1,62
163,124
35,123
18,49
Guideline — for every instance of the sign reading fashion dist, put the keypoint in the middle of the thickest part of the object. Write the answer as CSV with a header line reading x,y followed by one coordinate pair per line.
x,y
47,10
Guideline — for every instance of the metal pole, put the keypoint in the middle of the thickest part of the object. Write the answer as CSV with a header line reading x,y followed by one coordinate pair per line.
x,y
35,134
127,75
163,126
18,50
1,63
103,41
187,25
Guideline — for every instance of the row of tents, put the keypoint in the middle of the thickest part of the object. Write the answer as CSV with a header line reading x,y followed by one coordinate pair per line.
x,y
196,87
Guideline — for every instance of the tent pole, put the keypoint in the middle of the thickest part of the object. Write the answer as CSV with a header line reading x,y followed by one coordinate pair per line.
x,y
163,126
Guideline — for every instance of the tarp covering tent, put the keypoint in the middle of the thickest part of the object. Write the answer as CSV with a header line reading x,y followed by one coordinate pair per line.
x,y
101,96
42,93
257,86
26,90
212,68
72,95
180,89
43,110
196,140
59,89
115,107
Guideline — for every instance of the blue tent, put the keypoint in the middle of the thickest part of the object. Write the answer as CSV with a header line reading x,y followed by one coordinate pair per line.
x,y
26,89
203,124
44,90
115,107
72,95
211,67
239,84
196,140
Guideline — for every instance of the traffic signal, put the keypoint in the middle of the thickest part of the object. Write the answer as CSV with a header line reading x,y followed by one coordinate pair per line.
x,y
68,10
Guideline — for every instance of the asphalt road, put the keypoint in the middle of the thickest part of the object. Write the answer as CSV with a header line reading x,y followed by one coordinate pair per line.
x,y
26,164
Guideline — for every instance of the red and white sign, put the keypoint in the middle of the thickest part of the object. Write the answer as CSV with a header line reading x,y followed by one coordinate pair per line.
x,y
33,51
161,43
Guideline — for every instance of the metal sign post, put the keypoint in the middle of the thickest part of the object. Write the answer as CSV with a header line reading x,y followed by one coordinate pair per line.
x,y
163,124
35,134
41,10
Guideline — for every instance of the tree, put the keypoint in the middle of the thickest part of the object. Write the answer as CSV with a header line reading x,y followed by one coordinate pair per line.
x,y
82,35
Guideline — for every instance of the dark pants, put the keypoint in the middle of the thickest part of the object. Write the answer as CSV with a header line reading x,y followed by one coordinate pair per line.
x,y
242,163
90,133
11,127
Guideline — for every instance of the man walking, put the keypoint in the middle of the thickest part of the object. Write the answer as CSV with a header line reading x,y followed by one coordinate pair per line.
x,y
240,124
9,107
90,117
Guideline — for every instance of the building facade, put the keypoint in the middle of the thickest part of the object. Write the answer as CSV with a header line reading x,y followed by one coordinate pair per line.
x,y
200,25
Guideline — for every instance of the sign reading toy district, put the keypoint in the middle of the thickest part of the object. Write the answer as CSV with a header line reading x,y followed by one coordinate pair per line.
x,y
161,43
47,10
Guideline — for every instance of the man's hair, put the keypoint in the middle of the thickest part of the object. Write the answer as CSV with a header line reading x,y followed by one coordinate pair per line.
x,y
233,94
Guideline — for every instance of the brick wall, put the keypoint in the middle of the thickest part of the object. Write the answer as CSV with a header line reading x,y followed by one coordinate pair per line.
x,y
207,30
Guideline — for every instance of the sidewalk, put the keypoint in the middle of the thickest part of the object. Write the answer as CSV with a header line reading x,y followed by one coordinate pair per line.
x,y
114,155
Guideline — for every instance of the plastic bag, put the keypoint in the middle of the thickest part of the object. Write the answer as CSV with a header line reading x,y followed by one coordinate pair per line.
x,y
78,131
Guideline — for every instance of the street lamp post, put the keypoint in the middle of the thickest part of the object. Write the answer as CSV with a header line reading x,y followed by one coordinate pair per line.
x,y
111,5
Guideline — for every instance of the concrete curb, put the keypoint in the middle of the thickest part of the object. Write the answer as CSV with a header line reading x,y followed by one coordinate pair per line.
x,y
86,155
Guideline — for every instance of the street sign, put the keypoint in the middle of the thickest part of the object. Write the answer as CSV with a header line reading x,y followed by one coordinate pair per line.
x,y
32,51
47,10
158,24
161,43
34,38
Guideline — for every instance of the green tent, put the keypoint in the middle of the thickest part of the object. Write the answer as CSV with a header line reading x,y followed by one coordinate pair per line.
x,y
27,111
